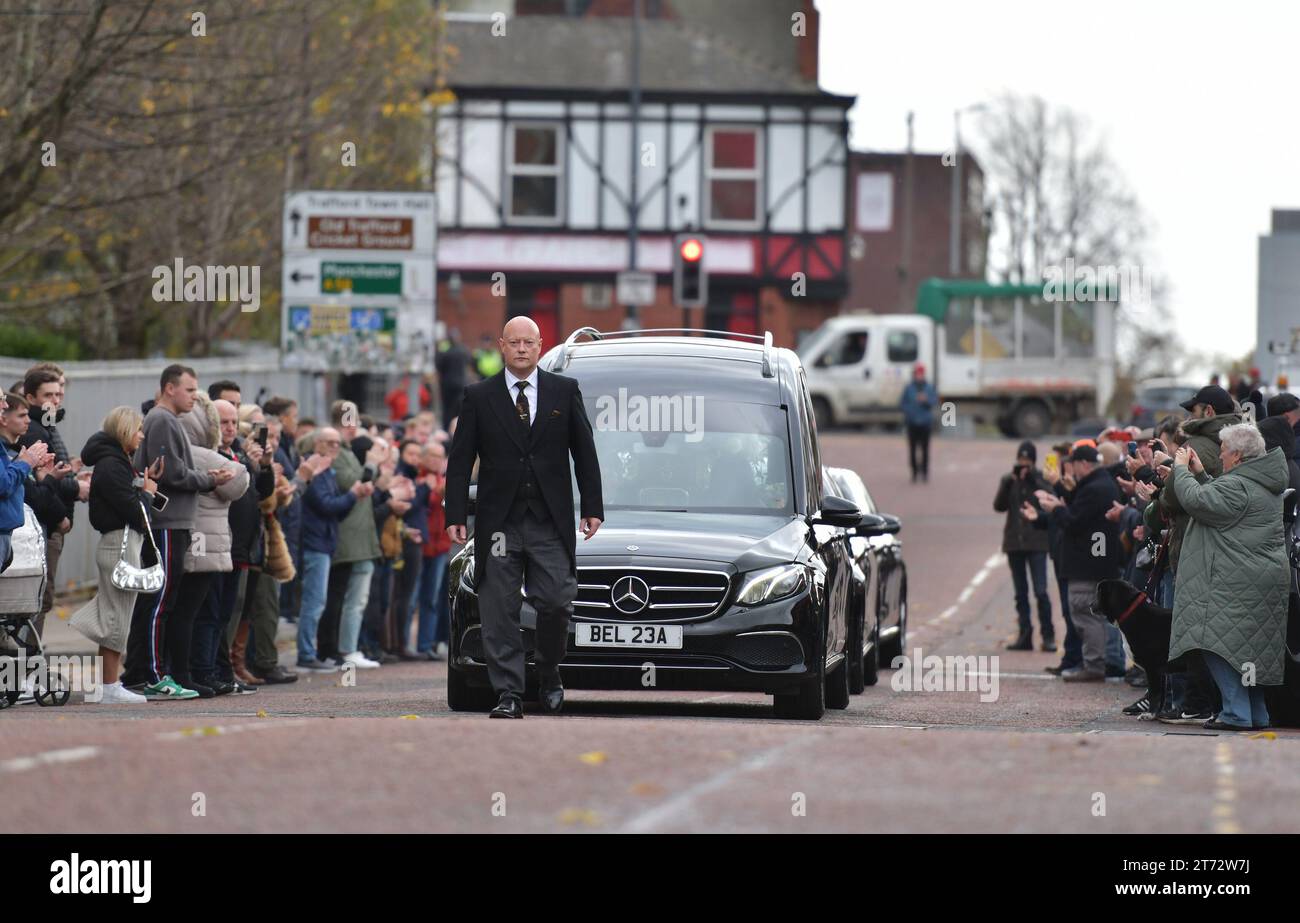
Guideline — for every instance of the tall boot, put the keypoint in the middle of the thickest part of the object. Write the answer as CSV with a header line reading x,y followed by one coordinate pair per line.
x,y
237,649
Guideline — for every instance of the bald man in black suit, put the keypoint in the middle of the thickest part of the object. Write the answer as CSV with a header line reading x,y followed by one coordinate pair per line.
x,y
522,424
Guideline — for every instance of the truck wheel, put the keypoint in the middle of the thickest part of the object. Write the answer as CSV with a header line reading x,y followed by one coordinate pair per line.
x,y
822,414
1031,419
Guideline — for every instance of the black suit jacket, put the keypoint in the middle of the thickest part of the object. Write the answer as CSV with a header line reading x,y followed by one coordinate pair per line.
x,y
490,430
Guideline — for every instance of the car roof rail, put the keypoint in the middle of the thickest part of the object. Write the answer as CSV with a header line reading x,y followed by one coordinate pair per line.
x,y
562,360
566,353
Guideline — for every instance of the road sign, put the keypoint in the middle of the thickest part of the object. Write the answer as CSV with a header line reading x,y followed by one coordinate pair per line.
x,y
350,221
339,337
359,278
635,288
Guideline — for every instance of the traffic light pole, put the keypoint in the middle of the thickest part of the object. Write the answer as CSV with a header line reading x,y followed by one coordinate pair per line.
x,y
631,321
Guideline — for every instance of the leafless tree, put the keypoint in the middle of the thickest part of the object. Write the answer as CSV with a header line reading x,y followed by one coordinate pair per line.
x,y
1056,193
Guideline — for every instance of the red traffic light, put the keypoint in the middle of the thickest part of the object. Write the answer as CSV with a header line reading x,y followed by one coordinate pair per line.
x,y
692,250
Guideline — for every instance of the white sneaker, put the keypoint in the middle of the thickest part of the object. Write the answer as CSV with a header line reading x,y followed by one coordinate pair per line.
x,y
117,694
360,661
28,694
442,648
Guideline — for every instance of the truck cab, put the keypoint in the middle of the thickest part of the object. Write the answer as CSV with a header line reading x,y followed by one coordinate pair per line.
x,y
858,364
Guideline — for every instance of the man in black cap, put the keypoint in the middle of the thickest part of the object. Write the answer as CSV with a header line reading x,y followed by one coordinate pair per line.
x,y
1026,547
1091,552
1210,401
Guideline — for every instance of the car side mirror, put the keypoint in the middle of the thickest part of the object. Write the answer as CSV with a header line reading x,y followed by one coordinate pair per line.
x,y
871,525
892,523
836,511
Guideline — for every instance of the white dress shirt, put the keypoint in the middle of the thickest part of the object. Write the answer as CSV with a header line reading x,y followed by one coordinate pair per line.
x,y
530,392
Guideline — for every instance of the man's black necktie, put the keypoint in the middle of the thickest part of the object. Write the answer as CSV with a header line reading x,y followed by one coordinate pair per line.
x,y
521,404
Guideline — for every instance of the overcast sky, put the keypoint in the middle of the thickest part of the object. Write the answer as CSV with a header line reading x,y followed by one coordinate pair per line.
x,y
1197,100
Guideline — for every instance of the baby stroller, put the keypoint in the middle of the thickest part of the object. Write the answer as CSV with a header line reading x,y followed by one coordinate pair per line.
x,y
22,586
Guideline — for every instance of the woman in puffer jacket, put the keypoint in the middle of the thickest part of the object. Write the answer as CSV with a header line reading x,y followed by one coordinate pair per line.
x,y
208,558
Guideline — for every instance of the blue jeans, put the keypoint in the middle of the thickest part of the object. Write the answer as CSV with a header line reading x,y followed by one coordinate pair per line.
x,y
433,586
1243,705
210,625
1036,563
354,605
404,587
372,626
1165,590
315,583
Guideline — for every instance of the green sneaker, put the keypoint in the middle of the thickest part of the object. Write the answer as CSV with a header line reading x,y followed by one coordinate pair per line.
x,y
167,688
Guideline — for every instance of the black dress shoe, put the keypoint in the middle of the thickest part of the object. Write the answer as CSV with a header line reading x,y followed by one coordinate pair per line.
x,y
1023,643
508,707
552,698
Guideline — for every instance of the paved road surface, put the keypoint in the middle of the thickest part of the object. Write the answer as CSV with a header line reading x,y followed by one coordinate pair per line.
x,y
386,754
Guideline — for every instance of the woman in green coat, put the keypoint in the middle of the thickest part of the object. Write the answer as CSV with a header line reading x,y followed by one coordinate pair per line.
x,y
1233,579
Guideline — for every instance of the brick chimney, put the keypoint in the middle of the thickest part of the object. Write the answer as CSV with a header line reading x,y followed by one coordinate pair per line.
x,y
808,43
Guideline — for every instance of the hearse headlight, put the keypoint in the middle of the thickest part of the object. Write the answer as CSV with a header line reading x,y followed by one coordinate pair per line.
x,y
763,586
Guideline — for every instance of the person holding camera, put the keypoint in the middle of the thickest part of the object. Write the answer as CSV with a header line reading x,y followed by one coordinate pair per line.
x,y
1026,547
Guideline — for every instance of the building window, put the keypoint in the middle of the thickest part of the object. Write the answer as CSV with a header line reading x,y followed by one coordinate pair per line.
x,y
533,165
732,169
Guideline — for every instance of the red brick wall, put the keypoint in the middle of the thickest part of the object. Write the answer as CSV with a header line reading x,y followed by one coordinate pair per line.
x,y
877,280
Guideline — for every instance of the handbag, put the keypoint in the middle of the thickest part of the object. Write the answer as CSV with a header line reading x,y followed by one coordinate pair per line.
x,y
128,576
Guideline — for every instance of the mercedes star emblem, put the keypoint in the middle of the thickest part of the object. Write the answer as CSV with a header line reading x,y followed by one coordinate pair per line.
x,y
629,594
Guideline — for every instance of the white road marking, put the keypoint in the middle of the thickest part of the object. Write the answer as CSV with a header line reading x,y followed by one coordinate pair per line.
x,y
218,730
49,758
682,803
1225,790
980,576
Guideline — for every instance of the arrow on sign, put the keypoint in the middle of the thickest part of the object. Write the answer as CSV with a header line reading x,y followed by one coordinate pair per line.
x,y
297,276
294,217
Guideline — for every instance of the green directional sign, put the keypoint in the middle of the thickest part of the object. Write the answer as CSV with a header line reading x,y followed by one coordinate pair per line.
x,y
361,278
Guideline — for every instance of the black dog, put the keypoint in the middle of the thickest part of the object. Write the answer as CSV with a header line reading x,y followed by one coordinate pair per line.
x,y
1146,627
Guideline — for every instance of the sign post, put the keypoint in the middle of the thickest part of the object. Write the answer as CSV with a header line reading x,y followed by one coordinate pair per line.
x,y
359,280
